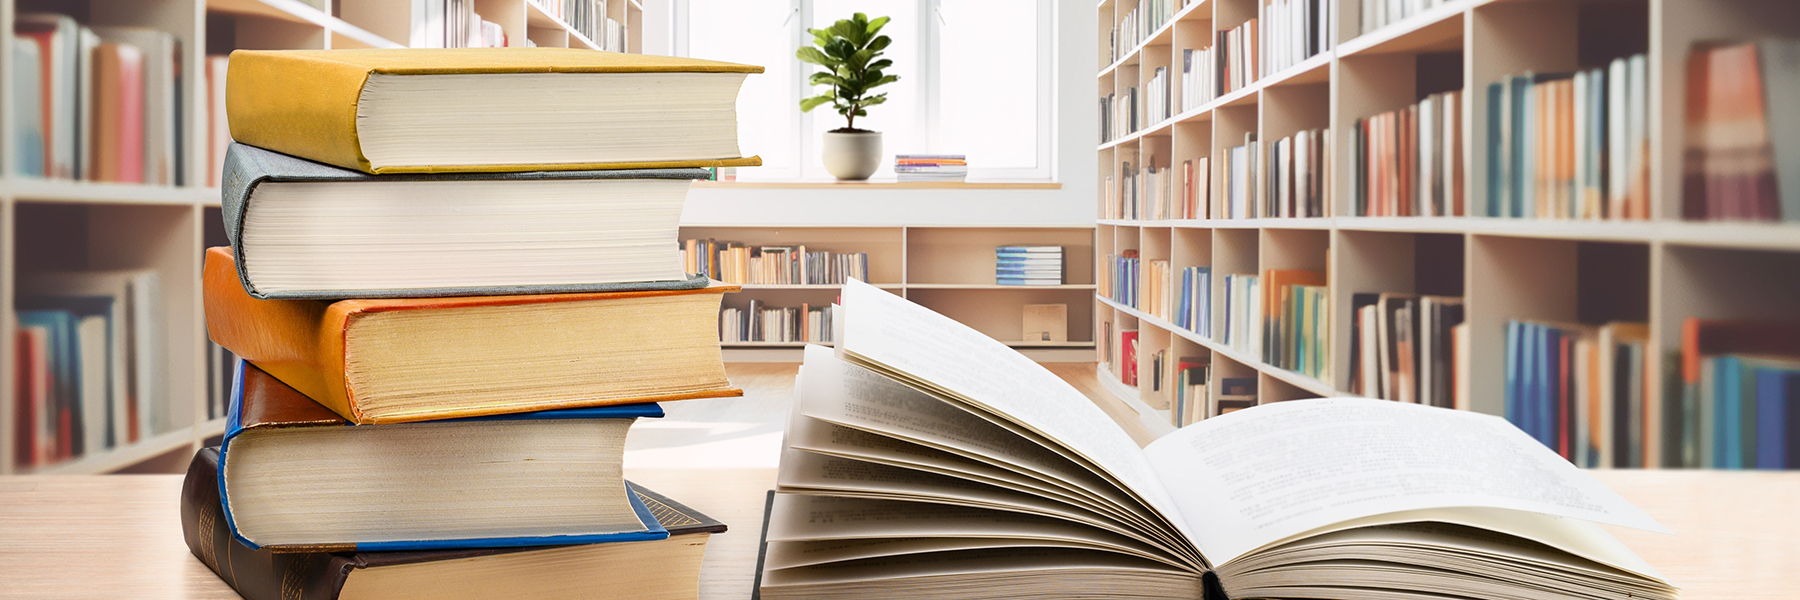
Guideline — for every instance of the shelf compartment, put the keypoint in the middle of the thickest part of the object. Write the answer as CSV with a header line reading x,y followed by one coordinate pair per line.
x,y
1427,31
965,255
999,313
1385,262
1543,280
58,237
884,245
343,34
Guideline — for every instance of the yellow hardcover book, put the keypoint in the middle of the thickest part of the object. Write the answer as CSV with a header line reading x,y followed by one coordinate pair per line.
x,y
386,111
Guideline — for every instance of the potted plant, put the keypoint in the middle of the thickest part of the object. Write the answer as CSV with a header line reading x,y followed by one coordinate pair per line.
x,y
850,51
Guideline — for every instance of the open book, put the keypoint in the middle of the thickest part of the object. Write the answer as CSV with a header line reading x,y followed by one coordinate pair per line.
x,y
925,459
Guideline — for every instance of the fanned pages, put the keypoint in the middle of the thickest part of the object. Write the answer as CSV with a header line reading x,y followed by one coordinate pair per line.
x,y
924,459
300,229
487,109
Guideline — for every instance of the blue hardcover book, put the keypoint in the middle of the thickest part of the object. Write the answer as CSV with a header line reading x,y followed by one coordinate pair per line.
x,y
295,476
1728,406
1549,358
1518,179
1514,410
1773,386
1497,150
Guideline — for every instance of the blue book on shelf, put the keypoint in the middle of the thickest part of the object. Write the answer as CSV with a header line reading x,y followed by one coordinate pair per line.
x,y
1728,404
1497,152
1518,169
1549,355
1774,387
1513,409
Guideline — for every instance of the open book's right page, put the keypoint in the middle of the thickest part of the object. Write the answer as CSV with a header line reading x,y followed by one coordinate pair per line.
x,y
1255,477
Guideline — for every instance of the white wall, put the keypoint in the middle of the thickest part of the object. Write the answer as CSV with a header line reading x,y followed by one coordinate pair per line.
x,y
1076,133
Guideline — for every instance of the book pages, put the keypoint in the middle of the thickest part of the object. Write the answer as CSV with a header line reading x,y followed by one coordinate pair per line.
x,y
933,352
1264,475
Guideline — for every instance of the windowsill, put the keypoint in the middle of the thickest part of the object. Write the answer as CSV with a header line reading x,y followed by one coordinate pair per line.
x,y
883,184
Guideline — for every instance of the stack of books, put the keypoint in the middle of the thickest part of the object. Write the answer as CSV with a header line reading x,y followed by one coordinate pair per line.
x,y
446,333
1028,265
931,167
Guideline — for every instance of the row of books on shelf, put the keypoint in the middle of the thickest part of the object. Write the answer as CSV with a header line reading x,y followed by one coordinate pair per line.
x,y
1235,54
1028,265
1121,281
1293,31
453,24
1409,162
1198,85
1742,150
1571,145
1731,398
91,365
733,262
1377,14
1408,348
1157,104
931,167
98,103
1299,168
1138,23
587,17
1237,180
1296,321
758,322
1120,114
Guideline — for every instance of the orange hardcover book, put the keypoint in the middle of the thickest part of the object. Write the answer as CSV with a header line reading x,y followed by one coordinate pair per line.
x,y
418,359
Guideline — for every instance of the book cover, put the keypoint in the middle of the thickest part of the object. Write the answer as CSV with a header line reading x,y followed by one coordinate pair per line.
x,y
261,403
262,574
247,167
306,344
306,102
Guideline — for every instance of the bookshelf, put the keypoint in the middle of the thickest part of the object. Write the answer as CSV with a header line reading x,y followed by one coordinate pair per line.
x,y
947,268
63,225
1660,271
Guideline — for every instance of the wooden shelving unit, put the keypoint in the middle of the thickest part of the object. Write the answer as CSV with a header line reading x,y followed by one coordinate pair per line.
x,y
63,225
1660,271
948,269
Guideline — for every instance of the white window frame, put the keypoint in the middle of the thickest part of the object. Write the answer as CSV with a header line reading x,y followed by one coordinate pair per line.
x,y
807,140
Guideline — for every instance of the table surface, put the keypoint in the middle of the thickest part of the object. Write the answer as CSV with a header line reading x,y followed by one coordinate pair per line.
x,y
119,536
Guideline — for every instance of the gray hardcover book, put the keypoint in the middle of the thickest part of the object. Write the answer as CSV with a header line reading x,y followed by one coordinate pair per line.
x,y
248,167
1781,86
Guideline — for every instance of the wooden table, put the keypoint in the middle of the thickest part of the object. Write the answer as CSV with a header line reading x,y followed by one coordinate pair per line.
x,y
119,536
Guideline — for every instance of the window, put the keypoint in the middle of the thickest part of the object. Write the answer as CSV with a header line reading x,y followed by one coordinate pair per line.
x,y
976,78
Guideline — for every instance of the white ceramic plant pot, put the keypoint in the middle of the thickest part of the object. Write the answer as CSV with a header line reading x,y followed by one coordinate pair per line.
x,y
852,155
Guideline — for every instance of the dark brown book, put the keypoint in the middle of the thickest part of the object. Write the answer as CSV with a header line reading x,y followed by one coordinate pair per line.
x,y
667,568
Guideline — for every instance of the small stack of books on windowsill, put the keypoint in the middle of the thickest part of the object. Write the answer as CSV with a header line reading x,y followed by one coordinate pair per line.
x,y
930,167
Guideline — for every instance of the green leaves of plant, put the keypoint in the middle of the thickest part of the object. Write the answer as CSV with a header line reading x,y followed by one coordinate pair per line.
x,y
850,52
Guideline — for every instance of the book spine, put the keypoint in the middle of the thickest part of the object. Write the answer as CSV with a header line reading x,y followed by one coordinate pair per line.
x,y
255,574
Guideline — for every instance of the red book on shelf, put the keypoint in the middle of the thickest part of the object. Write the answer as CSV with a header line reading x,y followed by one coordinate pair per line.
x,y
118,136
1128,346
